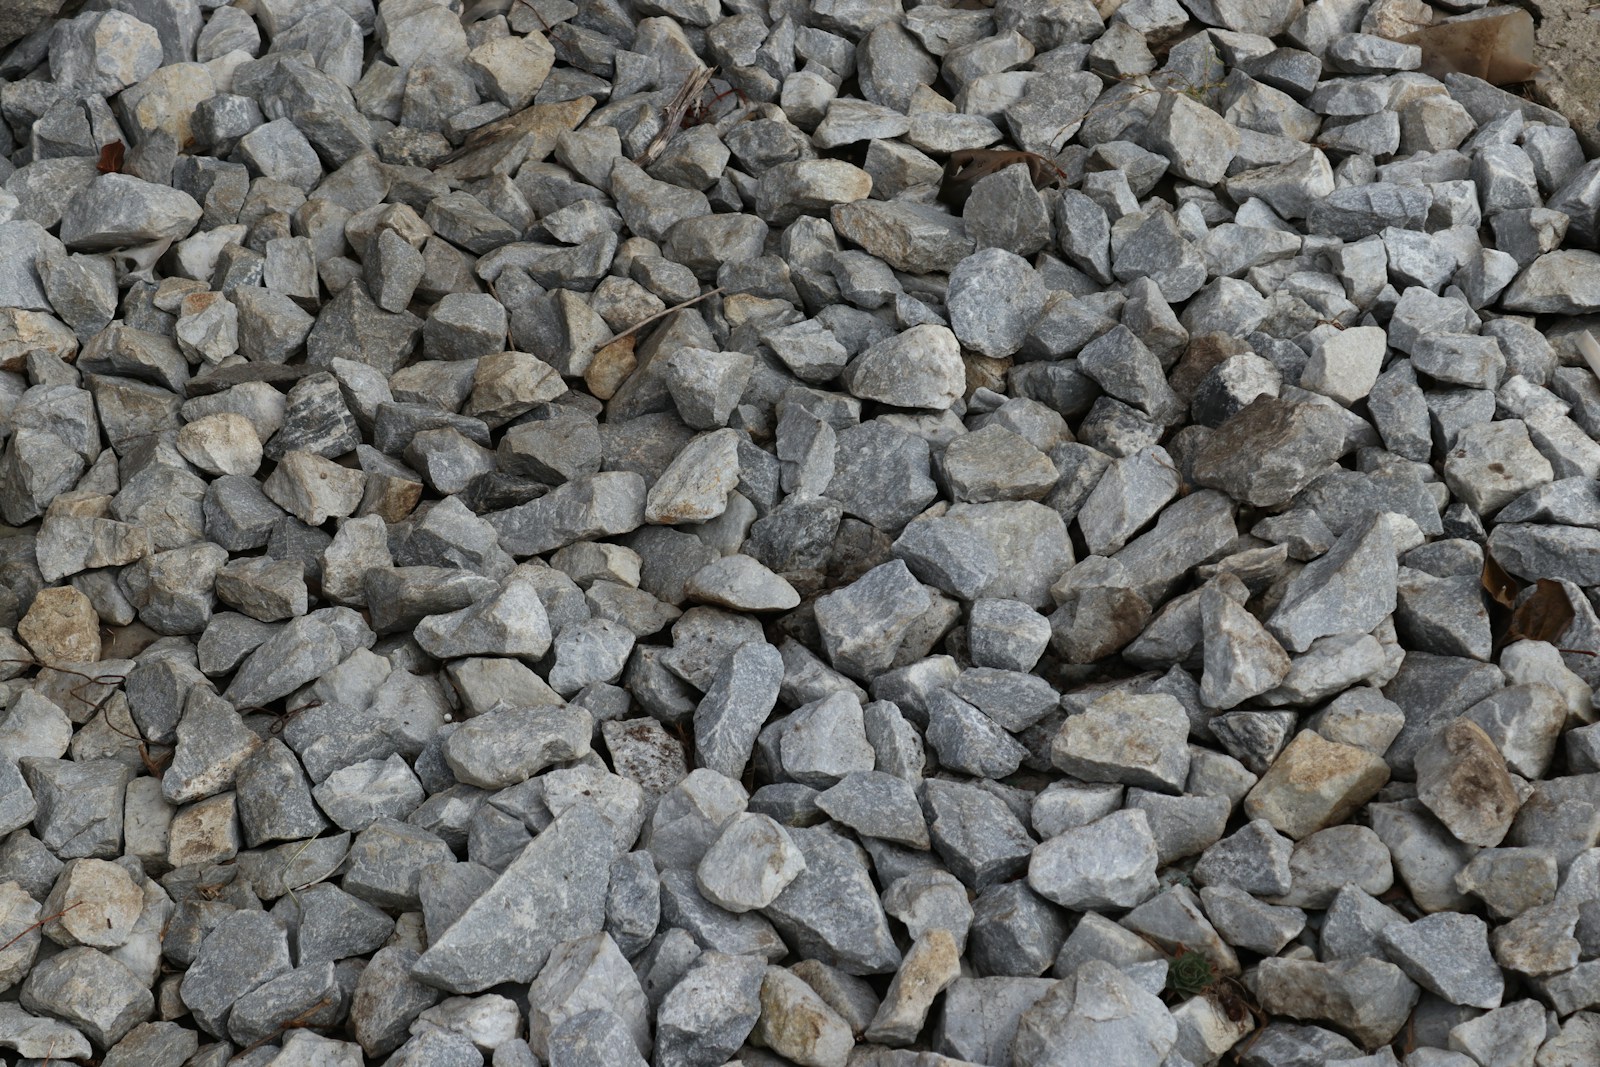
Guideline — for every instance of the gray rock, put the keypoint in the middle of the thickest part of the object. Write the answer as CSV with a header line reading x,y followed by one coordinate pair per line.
x,y
1100,1013
118,1001
118,209
1133,740
1448,954
1351,588
509,931
1110,862
830,910
749,864
863,624
510,745
980,839
1367,998
242,952
710,1011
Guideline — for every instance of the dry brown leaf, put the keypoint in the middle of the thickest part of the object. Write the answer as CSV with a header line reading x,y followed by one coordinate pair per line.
x,y
963,170
111,157
1501,587
1543,616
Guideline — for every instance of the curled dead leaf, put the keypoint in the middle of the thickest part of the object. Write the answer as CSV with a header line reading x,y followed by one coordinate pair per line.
x,y
1501,587
1543,615
964,169
111,156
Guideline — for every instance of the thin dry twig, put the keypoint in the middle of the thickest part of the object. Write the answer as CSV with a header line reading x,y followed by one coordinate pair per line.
x,y
26,930
642,323
299,1021
676,111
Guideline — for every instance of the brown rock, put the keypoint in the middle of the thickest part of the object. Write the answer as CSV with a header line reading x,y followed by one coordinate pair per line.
x,y
61,627
1462,779
1315,783
1269,450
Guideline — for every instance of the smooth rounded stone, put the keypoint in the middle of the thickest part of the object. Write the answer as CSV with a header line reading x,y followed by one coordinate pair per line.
x,y
1368,999
1462,779
1109,863
61,626
919,368
510,745
97,902
993,300
749,864
1128,739
1315,783
798,1024
740,583
879,805
1100,1015
1448,954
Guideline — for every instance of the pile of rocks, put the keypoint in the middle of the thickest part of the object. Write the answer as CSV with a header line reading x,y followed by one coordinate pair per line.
x,y
574,531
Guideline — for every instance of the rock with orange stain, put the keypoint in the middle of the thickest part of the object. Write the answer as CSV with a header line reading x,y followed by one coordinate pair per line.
x,y
1462,779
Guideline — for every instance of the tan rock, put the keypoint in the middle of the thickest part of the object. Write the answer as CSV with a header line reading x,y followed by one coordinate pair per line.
x,y
206,831
61,627
1315,783
19,937
1462,779
798,1024
930,965
98,903
225,443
